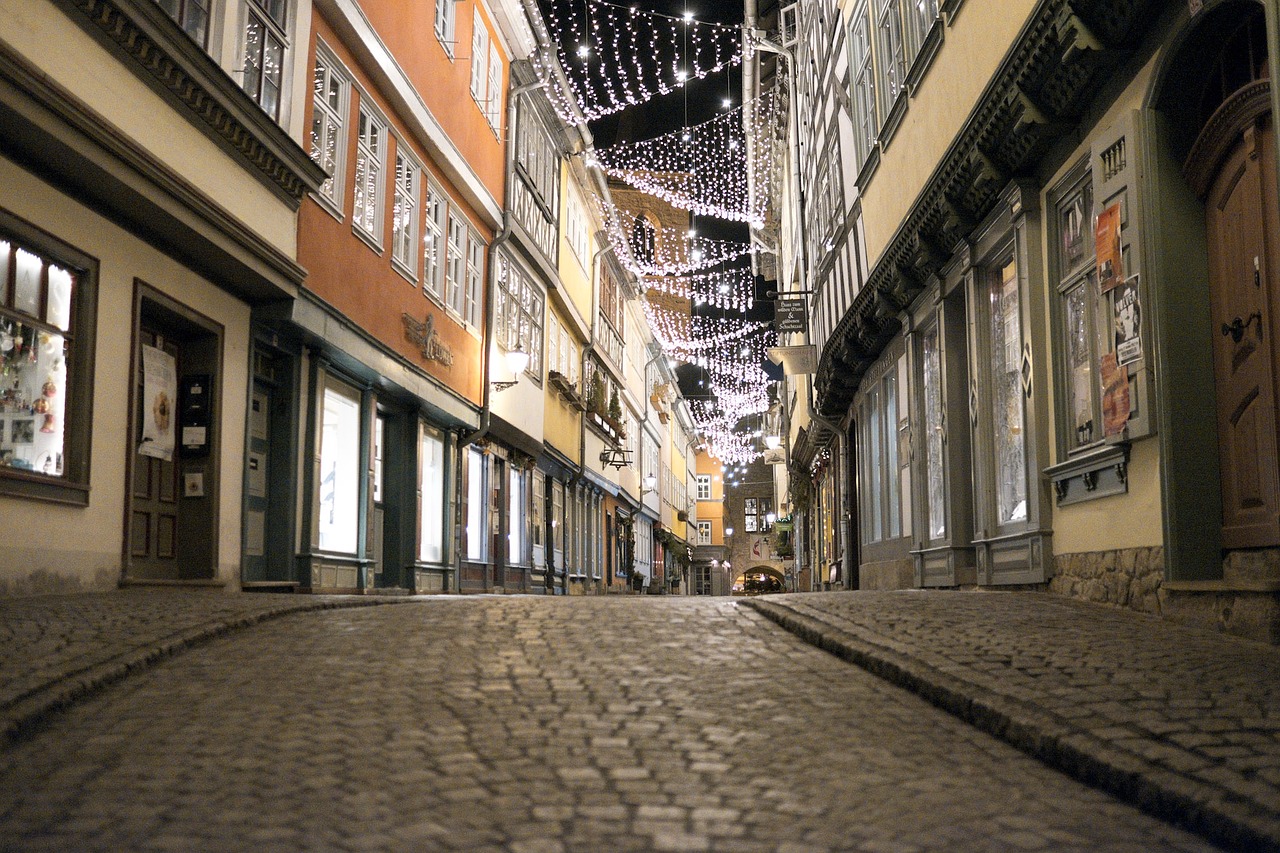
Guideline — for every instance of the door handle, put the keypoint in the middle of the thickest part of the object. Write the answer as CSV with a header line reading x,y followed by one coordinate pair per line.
x,y
1237,327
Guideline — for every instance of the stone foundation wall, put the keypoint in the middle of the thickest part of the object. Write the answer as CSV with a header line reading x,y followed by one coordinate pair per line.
x,y
887,574
1130,578
1134,578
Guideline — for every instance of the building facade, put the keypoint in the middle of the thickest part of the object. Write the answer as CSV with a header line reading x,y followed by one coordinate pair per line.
x,y
1025,298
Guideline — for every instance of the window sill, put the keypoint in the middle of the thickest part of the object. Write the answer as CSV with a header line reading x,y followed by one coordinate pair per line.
x,y
368,239
17,484
330,206
1097,473
404,271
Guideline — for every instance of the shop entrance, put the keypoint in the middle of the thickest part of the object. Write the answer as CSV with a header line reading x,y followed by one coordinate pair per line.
x,y
268,557
172,513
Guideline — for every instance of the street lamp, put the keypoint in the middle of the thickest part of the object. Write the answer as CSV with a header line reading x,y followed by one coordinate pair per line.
x,y
517,362
650,484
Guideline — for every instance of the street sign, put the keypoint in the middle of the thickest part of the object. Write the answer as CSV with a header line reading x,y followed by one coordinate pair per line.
x,y
790,315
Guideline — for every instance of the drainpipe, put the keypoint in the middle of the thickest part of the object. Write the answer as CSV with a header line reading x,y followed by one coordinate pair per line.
x,y
467,439
801,250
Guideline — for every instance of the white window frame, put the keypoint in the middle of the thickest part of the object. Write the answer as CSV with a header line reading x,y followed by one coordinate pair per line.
x,y
435,223
477,506
862,84
434,484
479,60
446,24
704,533
474,298
405,211
330,121
891,60
371,154
455,263
493,104
704,486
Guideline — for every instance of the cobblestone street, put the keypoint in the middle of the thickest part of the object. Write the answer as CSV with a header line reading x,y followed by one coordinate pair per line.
x,y
533,724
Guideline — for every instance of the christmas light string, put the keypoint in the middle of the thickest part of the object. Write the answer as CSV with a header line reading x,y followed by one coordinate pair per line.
x,y
672,255
705,168
594,40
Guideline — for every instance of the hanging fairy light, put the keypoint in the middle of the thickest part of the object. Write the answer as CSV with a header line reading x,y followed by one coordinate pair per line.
x,y
729,289
705,168
630,56
666,251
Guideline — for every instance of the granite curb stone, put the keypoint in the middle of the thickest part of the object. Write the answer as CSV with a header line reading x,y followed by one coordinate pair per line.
x,y
1042,723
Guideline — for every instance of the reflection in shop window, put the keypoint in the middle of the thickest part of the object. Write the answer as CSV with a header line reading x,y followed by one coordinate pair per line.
x,y
933,409
339,470
35,346
433,486
1007,400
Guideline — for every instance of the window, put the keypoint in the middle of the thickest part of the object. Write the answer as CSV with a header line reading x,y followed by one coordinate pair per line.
x,y
371,149
518,313
1078,313
918,17
756,512
46,298
557,521
446,23
264,47
455,264
536,508
515,516
192,16
477,505
1007,401
891,61
934,423
332,90
339,468
577,227
863,86
433,253
479,60
379,456
493,107
404,214
882,418
704,533
475,282
434,484
704,487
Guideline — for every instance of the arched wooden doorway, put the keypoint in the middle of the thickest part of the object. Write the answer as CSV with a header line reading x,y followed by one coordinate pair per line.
x,y
1232,168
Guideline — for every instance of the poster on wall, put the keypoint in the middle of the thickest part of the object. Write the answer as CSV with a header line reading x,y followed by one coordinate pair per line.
x,y
1107,241
1115,395
159,396
1128,311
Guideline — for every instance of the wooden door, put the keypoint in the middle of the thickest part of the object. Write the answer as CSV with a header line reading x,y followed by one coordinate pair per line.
x,y
153,522
1240,210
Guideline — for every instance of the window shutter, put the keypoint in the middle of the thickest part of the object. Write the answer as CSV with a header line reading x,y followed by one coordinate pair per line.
x,y
1114,163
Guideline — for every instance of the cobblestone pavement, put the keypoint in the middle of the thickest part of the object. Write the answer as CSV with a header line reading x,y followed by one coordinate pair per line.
x,y
55,649
532,725
1182,721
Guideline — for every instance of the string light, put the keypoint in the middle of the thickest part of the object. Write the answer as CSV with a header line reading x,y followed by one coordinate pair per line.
x,y
637,56
671,255
705,168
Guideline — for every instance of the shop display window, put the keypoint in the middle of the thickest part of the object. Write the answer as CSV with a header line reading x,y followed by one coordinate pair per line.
x,y
339,469
37,293
434,483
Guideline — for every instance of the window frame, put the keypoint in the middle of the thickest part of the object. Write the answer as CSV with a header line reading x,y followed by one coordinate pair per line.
x,y
73,485
404,241
446,25
368,114
704,494
332,190
273,28
519,308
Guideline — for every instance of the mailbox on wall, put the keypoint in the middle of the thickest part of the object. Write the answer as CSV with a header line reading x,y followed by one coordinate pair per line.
x,y
196,413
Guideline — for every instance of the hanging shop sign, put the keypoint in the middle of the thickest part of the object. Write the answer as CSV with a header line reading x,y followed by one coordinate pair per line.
x,y
790,315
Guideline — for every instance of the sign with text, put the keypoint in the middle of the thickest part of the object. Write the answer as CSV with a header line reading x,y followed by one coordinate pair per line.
x,y
790,315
